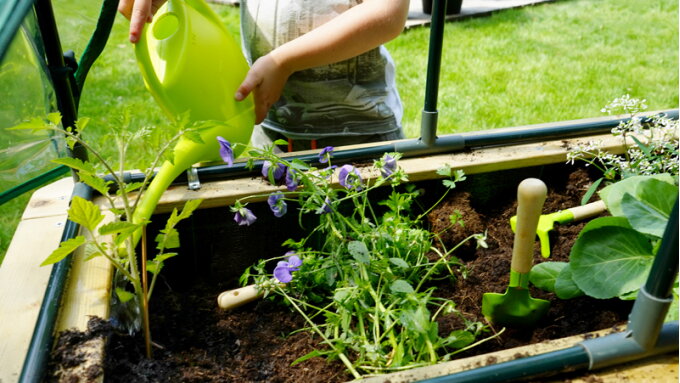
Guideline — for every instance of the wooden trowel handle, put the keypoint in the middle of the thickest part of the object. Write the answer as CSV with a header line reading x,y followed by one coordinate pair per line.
x,y
531,195
588,211
232,299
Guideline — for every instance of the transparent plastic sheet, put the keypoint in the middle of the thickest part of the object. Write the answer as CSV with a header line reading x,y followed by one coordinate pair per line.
x,y
26,95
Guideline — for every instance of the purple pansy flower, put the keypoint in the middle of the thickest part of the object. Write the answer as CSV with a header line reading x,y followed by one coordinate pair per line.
x,y
291,179
349,177
283,269
244,216
226,152
277,204
389,166
277,173
326,208
325,154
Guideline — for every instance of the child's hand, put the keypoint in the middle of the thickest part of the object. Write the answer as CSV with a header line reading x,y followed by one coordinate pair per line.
x,y
265,79
138,12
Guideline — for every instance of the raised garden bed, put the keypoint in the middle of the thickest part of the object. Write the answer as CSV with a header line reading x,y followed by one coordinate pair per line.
x,y
216,252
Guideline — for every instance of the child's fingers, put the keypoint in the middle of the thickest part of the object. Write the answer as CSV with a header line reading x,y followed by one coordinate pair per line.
x,y
141,11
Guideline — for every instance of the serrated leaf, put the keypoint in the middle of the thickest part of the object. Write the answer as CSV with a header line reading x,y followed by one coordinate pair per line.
x,y
610,261
153,267
565,287
123,295
399,262
81,124
76,164
117,228
160,258
65,248
544,275
193,136
449,184
54,118
445,170
401,286
189,208
359,251
168,239
96,183
132,186
32,124
85,213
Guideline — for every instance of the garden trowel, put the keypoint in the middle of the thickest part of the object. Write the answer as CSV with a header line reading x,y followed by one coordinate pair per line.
x,y
546,222
516,307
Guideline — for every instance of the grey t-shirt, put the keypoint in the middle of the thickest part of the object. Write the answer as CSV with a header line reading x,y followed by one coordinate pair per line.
x,y
353,97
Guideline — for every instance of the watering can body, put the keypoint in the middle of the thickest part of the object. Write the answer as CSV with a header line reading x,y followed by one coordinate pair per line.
x,y
191,64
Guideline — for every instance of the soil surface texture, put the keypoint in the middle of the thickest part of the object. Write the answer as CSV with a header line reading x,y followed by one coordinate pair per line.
x,y
195,341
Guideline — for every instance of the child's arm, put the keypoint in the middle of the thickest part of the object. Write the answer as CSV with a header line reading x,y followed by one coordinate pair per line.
x,y
355,31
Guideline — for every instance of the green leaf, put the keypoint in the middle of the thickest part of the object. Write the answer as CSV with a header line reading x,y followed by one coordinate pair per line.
x,y
613,194
459,339
76,164
85,213
544,275
124,296
33,124
132,186
168,239
96,183
117,227
359,251
565,287
54,118
591,190
401,286
81,124
189,208
399,263
610,261
65,248
445,170
449,184
193,136
644,217
605,222
312,354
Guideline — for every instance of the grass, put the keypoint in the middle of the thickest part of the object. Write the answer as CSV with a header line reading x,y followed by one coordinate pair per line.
x,y
551,62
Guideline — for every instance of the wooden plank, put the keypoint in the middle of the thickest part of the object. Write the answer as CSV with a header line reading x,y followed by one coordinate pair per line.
x,y
22,279
224,193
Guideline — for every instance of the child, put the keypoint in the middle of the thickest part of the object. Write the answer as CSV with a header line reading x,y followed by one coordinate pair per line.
x,y
319,75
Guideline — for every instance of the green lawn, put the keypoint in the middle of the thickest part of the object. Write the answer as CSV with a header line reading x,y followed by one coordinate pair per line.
x,y
551,62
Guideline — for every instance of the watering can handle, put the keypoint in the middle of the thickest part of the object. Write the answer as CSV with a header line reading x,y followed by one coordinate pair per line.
x,y
531,195
232,299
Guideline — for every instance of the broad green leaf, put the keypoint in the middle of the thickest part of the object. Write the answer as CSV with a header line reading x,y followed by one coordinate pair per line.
x,y
399,262
85,213
117,228
565,287
124,295
605,222
544,275
659,194
65,248
613,194
610,261
76,164
644,217
359,251
401,286
96,183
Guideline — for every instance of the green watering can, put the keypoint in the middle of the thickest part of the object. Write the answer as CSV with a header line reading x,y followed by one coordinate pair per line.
x,y
190,63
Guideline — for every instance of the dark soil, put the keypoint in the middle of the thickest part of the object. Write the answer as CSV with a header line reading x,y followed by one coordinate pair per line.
x,y
197,342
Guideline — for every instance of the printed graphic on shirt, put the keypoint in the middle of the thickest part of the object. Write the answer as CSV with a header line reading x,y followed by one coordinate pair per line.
x,y
353,97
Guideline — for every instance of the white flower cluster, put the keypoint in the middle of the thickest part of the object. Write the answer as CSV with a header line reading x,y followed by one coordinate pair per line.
x,y
656,143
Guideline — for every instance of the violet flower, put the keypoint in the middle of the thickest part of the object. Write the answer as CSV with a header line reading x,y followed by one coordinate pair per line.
x,y
278,172
244,216
277,204
283,269
325,154
291,179
389,166
349,177
326,208
226,152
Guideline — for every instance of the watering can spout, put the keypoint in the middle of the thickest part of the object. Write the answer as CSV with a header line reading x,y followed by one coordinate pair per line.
x,y
191,65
